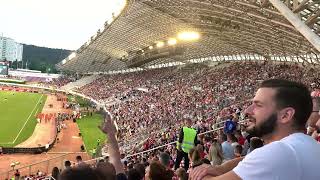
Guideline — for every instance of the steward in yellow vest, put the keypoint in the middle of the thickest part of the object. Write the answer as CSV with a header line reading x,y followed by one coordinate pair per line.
x,y
187,140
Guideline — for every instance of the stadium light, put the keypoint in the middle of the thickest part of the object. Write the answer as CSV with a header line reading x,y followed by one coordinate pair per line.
x,y
189,36
172,41
160,44
150,47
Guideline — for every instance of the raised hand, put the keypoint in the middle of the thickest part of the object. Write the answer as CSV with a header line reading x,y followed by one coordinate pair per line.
x,y
107,125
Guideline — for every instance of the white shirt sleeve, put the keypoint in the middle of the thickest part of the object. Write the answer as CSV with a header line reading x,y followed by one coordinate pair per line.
x,y
271,162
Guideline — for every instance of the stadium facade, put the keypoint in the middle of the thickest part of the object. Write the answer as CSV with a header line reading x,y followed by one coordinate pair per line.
x,y
147,33
10,50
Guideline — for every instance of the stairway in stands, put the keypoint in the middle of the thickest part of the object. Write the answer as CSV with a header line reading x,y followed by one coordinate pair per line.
x,y
79,83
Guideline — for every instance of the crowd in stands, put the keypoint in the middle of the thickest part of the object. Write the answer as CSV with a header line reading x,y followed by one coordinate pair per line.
x,y
149,108
212,149
170,94
61,81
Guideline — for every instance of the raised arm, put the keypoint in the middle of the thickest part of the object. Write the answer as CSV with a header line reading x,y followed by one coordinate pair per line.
x,y
113,148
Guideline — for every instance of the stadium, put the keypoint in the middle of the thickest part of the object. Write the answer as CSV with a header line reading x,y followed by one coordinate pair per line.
x,y
125,95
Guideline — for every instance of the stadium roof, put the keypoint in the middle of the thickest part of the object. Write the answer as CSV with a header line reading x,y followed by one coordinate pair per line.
x,y
139,35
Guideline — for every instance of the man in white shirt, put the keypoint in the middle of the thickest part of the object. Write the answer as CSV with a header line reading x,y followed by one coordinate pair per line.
x,y
278,114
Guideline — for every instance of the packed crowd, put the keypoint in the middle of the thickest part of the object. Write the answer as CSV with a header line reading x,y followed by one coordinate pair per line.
x,y
61,81
152,105
170,94
234,148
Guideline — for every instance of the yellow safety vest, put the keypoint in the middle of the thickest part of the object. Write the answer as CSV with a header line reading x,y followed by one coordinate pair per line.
x,y
188,139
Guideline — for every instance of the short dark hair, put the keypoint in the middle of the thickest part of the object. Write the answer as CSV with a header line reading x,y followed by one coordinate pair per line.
x,y
164,159
134,174
67,163
79,158
158,171
255,143
238,149
292,94
80,173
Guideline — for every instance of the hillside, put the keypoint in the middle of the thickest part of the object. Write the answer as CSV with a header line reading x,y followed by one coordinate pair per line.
x,y
42,58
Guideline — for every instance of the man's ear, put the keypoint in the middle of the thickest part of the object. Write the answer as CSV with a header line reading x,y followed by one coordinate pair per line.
x,y
286,115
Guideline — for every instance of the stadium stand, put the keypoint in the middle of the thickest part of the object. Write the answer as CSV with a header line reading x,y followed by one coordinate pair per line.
x,y
79,83
211,81
173,93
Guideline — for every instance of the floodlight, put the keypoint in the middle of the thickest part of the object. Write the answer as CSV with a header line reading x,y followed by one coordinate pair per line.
x,y
189,36
172,41
160,44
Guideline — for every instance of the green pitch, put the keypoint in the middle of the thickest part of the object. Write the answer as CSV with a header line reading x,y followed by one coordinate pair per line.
x,y
17,116
90,132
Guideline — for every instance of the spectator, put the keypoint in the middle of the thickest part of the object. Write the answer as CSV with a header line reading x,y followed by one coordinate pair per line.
x,y
113,149
157,171
182,174
67,164
17,174
134,174
80,162
200,149
241,139
215,153
141,169
238,151
255,143
165,161
278,114
227,148
197,163
234,140
187,140
55,173
80,173
106,170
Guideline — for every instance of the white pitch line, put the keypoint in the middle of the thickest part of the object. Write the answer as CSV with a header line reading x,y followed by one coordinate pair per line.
x,y
27,120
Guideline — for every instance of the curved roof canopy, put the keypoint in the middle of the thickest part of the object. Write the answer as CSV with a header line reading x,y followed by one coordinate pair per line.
x,y
148,32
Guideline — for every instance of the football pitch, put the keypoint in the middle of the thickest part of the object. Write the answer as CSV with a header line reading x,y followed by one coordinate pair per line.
x,y
90,132
18,112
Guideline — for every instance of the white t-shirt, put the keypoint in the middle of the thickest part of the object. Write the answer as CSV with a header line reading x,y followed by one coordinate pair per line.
x,y
296,157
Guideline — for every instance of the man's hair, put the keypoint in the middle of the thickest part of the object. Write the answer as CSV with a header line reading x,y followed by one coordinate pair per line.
x,y
134,174
159,172
79,158
164,159
292,94
80,173
238,149
255,143
224,137
67,163
188,121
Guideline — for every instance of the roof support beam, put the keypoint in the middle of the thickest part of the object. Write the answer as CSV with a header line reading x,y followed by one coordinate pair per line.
x,y
300,7
297,23
313,19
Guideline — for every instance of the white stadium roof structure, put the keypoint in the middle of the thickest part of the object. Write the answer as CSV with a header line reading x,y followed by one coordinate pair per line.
x,y
148,32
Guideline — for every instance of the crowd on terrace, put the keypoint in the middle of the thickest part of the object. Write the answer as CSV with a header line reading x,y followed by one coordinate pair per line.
x,y
169,95
152,105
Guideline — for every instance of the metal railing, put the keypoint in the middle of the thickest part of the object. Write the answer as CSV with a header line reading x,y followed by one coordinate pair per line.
x,y
44,166
47,165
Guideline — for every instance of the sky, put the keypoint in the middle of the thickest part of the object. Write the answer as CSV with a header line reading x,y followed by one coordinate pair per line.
x,y
65,24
